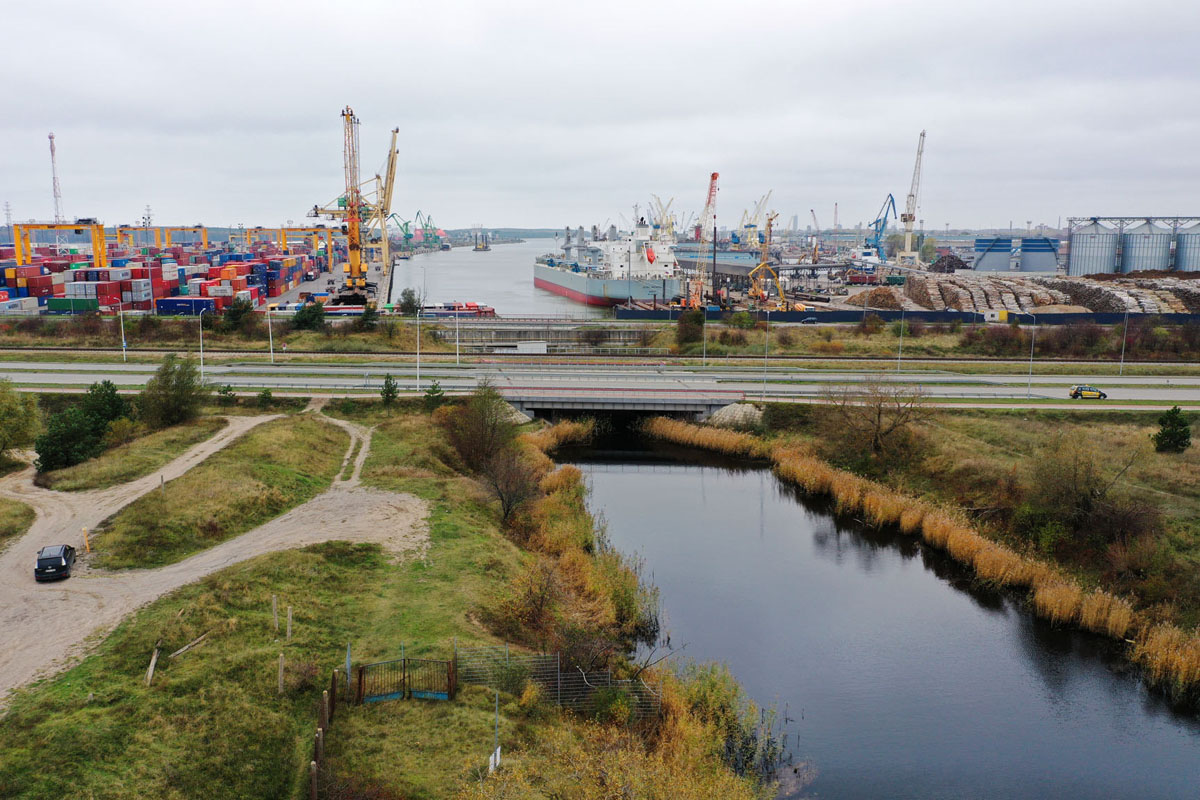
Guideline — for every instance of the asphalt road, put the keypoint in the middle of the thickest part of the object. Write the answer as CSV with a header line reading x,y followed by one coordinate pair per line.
x,y
772,383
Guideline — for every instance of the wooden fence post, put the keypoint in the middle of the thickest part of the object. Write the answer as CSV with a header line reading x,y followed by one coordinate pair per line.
x,y
289,624
312,780
361,680
324,710
275,611
153,662
404,692
333,690
320,745
281,673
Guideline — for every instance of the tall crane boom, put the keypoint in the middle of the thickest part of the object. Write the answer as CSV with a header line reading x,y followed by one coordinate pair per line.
x,y
908,256
59,241
709,215
355,289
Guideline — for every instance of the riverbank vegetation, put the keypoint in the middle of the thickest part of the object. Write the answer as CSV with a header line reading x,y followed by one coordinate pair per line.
x,y
15,519
1103,539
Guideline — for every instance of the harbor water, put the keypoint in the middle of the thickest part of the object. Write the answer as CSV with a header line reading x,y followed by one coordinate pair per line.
x,y
900,678
501,277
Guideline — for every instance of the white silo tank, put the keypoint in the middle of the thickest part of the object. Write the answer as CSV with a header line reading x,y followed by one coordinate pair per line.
x,y
1187,249
1146,246
1093,250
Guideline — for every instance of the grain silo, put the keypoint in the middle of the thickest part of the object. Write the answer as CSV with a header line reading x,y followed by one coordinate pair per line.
x,y
993,254
1147,246
1093,250
1039,254
1187,249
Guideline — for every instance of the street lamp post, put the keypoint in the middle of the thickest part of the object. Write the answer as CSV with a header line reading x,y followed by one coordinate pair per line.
x,y
900,352
270,335
703,334
456,359
121,317
202,344
1032,343
766,350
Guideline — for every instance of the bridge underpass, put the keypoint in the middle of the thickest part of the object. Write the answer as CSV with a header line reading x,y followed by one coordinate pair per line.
x,y
698,405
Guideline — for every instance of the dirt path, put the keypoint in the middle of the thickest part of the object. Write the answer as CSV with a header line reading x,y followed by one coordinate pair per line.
x,y
44,627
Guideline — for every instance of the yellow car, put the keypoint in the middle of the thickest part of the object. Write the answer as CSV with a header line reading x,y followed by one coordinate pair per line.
x,y
1087,393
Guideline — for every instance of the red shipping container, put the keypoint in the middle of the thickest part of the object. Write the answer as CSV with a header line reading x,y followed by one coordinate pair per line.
x,y
143,305
108,288
59,290
108,299
139,273
40,281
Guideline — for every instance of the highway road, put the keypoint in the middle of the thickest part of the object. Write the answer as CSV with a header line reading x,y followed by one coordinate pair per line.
x,y
772,383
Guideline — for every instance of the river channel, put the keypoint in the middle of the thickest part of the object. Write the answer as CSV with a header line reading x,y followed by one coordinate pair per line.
x,y
902,678
501,277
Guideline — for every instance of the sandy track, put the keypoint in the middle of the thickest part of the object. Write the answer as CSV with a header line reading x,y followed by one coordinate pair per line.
x,y
44,627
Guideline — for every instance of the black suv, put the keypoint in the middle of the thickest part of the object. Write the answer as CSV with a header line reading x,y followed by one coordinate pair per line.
x,y
54,561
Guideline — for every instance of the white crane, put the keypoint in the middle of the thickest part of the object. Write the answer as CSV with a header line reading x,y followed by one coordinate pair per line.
x,y
60,242
907,255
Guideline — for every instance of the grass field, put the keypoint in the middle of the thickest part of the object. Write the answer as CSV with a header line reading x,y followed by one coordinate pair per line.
x,y
15,519
133,460
267,471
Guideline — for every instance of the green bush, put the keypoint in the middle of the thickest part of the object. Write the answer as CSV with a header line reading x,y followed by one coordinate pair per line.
x,y
434,397
786,416
390,391
265,398
690,327
70,438
310,317
174,394
19,420
742,319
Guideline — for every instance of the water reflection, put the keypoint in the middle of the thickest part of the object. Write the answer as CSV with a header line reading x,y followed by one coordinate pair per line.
x,y
915,681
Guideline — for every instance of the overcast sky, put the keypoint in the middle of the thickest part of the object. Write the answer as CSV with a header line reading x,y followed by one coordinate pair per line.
x,y
547,114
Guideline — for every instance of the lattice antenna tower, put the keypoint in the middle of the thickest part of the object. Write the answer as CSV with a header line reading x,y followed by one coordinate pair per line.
x,y
60,241
8,218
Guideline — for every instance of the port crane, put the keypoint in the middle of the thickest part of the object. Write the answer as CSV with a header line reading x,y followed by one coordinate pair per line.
x,y
125,234
879,227
707,222
22,241
353,212
195,229
816,242
764,275
908,256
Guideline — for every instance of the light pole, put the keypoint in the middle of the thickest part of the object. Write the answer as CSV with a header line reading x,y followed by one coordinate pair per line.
x,y
900,352
1032,342
456,361
270,335
202,344
420,305
1124,336
703,333
766,349
121,317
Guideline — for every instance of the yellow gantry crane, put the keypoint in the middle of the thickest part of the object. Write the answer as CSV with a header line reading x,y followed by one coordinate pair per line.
x,y
125,234
200,229
763,276
24,245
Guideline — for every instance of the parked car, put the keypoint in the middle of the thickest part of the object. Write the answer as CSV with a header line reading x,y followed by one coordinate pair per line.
x,y
1087,393
809,321
53,562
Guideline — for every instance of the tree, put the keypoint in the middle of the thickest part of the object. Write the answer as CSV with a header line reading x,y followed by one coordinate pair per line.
x,y
510,479
434,397
226,396
873,415
390,391
174,394
70,438
310,317
19,422
481,427
240,313
690,327
265,398
104,405
409,302
928,250
367,320
1174,432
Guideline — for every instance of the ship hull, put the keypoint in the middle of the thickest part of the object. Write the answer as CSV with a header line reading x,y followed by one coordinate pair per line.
x,y
592,291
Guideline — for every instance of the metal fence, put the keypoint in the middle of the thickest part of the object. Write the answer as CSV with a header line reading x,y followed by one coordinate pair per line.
x,y
401,678
583,692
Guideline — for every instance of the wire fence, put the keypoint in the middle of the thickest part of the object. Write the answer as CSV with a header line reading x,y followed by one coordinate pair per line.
x,y
498,667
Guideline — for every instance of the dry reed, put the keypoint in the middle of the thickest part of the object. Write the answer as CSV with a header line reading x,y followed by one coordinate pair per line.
x,y
1171,658
1106,613
1058,602
565,432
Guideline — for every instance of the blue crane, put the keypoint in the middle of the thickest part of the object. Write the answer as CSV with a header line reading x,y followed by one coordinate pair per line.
x,y
879,228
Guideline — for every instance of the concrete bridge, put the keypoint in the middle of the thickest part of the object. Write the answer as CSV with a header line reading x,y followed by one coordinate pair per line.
x,y
697,404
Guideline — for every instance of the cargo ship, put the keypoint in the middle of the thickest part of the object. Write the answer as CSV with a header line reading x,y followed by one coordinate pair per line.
x,y
728,262
612,269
